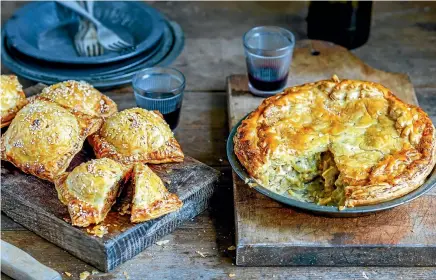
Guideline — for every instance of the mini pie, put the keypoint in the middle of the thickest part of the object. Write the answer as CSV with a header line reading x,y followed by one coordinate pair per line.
x,y
91,189
12,98
136,135
346,143
79,97
43,138
151,198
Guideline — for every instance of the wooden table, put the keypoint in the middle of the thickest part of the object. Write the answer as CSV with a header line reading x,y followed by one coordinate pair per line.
x,y
403,39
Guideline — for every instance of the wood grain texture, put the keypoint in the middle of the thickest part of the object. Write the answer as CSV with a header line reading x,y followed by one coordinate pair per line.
x,y
34,204
269,233
402,40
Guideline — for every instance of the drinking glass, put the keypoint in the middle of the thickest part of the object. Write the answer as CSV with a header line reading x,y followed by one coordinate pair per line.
x,y
268,53
160,88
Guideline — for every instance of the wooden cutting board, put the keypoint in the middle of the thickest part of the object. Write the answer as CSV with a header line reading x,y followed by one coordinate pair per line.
x,y
33,203
269,233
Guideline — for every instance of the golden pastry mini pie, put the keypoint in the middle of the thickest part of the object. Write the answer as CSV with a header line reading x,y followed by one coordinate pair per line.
x,y
43,138
346,143
151,199
136,135
91,189
79,97
12,98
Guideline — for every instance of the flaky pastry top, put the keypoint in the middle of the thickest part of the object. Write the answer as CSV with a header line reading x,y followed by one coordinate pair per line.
x,y
92,181
136,135
12,97
80,96
42,131
380,144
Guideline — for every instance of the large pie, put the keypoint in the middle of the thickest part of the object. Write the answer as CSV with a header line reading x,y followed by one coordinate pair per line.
x,y
344,143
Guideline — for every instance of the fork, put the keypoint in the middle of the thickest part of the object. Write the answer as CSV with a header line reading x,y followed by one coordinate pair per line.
x,y
86,41
108,39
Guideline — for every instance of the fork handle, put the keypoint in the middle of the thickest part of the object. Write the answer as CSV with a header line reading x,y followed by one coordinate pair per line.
x,y
72,5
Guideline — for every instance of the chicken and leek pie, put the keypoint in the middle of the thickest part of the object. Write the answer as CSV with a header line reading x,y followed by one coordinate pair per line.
x,y
12,98
346,143
136,135
43,138
79,96
91,189
151,199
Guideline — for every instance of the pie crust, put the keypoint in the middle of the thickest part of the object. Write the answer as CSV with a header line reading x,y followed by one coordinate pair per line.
x,y
91,189
43,138
79,96
136,135
151,199
346,143
12,98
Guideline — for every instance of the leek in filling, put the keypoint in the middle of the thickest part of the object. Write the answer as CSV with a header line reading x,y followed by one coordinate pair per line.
x,y
312,178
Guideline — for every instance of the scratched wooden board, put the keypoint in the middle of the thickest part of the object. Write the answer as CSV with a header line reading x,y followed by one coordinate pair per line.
x,y
269,233
33,203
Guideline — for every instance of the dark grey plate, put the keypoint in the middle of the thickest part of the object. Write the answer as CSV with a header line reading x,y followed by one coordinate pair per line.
x,y
50,73
318,209
45,30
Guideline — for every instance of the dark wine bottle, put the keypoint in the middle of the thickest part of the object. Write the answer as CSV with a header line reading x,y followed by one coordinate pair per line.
x,y
346,23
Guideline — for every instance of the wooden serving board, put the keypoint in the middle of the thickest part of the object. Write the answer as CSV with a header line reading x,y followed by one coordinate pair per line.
x,y
33,203
269,233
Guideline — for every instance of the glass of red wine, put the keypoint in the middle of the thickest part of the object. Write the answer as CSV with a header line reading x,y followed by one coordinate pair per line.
x,y
161,89
268,53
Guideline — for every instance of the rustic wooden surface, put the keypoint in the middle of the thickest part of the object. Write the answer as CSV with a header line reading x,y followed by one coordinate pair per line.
x,y
33,203
402,40
405,235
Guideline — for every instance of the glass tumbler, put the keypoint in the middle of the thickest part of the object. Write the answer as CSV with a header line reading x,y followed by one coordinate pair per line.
x,y
268,53
161,89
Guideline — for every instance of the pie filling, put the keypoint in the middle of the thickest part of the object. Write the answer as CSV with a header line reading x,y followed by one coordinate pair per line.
x,y
313,179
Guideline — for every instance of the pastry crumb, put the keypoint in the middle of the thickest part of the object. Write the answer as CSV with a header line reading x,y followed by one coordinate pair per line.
x,y
98,230
125,209
162,242
231,275
94,272
67,274
231,248
203,255
84,275
126,275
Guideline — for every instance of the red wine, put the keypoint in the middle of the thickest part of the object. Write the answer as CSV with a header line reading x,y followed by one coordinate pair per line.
x,y
173,118
267,79
346,23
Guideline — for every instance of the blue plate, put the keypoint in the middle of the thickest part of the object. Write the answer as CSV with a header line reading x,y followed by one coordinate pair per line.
x,y
81,71
318,209
50,73
45,30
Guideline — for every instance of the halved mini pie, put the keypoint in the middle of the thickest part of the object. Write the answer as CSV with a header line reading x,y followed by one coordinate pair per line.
x,y
136,135
345,143
12,98
91,189
151,199
79,96
43,138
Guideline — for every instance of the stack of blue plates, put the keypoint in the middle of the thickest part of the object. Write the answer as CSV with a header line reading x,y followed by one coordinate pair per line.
x,y
37,43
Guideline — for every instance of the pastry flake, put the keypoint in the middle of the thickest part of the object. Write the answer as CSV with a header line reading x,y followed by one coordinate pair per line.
x,y
151,199
43,138
12,98
344,143
136,135
91,189
79,96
